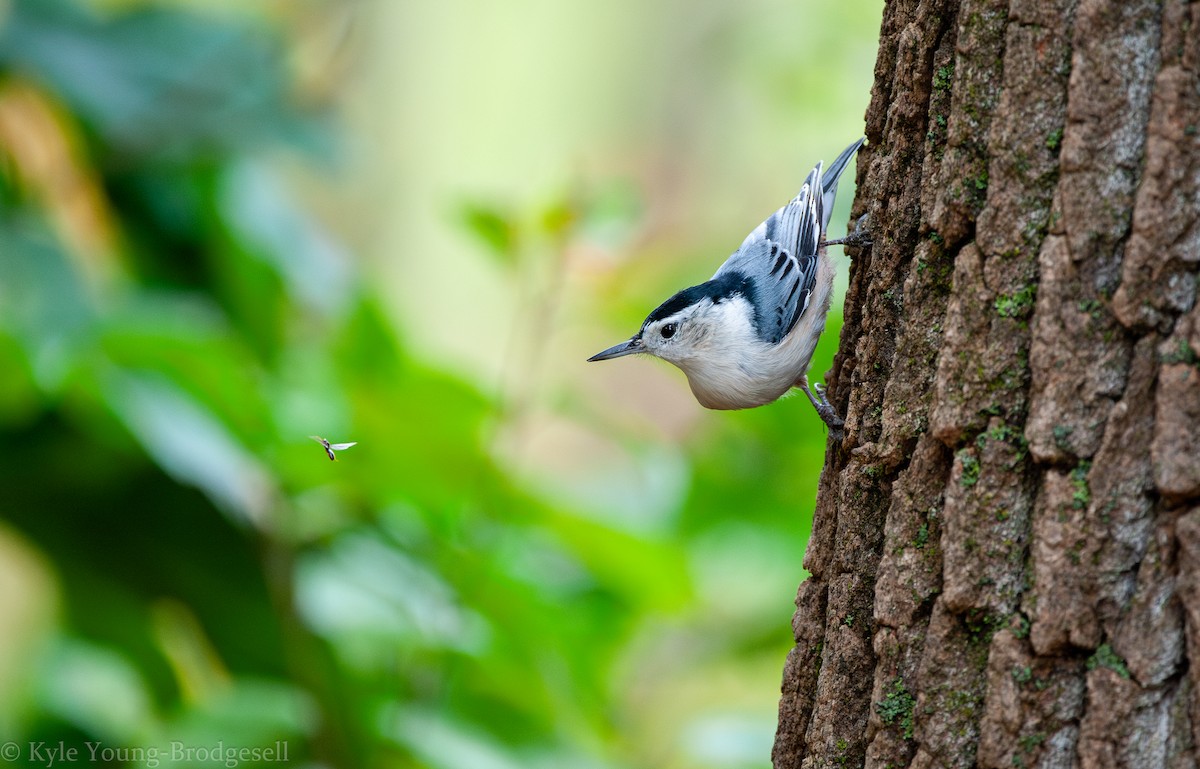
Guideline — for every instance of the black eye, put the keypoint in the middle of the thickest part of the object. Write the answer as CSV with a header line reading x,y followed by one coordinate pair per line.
x,y
668,330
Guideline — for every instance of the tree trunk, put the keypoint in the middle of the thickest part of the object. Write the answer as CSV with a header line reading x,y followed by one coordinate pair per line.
x,y
1005,556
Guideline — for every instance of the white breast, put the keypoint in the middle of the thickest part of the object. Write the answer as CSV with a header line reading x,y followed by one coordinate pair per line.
x,y
734,369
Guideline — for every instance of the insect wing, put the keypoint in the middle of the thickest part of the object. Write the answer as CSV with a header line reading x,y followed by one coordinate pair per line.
x,y
325,445
342,446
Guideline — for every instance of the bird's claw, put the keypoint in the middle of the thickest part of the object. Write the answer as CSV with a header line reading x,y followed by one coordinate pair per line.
x,y
827,413
835,423
860,238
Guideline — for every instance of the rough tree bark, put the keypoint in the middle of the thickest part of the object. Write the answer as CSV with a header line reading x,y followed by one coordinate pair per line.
x,y
1005,556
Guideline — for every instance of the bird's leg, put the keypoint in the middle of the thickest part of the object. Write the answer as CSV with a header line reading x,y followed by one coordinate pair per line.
x,y
860,238
824,410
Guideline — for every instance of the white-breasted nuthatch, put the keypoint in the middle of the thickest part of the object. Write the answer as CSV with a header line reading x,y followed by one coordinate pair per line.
x,y
746,337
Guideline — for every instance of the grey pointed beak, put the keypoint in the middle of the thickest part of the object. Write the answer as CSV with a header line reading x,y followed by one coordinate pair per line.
x,y
628,347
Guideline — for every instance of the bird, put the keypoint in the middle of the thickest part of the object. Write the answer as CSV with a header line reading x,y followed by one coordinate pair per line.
x,y
746,336
330,448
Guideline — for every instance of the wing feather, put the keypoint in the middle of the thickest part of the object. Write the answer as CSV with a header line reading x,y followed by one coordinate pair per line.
x,y
780,260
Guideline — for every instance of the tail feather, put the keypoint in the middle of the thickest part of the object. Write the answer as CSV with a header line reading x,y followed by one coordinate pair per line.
x,y
829,182
790,226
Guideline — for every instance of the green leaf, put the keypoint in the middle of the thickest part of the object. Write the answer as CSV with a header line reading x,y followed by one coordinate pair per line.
x,y
494,229
192,444
155,81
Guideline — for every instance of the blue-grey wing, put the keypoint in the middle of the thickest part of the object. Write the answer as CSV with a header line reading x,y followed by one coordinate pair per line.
x,y
780,260
797,226
785,293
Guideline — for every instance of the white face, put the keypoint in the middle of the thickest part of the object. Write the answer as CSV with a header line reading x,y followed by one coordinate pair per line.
x,y
699,336
680,337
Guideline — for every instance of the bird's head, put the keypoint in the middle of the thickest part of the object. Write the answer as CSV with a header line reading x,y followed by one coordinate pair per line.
x,y
684,328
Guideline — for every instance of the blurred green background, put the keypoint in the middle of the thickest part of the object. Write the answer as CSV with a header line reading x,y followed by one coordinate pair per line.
x,y
225,226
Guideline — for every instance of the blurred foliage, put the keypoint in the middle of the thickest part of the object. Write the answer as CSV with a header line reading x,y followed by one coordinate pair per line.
x,y
182,564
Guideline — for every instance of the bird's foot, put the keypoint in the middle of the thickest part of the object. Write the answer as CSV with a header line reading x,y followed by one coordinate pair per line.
x,y
830,417
835,423
860,238
827,413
